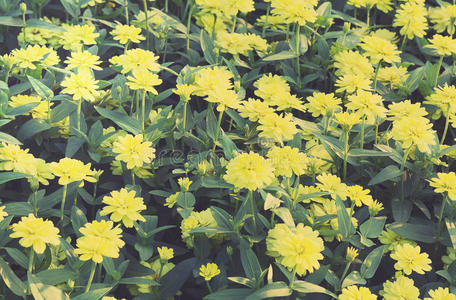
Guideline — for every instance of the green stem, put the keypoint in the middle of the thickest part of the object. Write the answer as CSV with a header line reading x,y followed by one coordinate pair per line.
x,y
368,16
75,199
447,122
219,123
92,273
266,20
147,23
438,70
126,12
208,286
213,27
185,116
62,206
404,160
30,264
376,134
143,110
404,43
363,123
298,48
442,209
293,276
132,177
252,207
78,118
347,267
189,20
345,154
376,74
166,6
35,204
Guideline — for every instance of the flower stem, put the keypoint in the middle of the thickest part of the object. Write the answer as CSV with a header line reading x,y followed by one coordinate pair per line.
x,y
219,123
185,116
189,20
78,118
442,209
62,206
126,12
368,16
376,74
147,23
438,71
447,121
361,142
266,20
347,267
132,177
143,109
252,207
30,264
293,276
345,154
404,160
208,286
92,273
298,46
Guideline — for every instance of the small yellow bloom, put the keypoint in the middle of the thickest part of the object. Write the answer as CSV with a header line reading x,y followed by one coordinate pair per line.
x,y
410,259
144,80
352,253
70,170
354,292
184,183
165,253
35,232
402,288
83,61
184,91
127,33
445,182
441,294
209,271
442,45
124,206
347,120
133,151
82,86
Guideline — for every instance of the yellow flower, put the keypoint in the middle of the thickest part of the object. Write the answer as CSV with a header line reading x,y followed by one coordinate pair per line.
x,y
99,239
333,185
410,259
224,97
358,195
13,158
135,59
394,76
442,45
35,232
83,61
270,87
357,293
443,17
233,43
403,288
278,128
171,200
399,110
287,160
296,248
351,83
350,62
123,206
352,253
254,109
82,86
165,253
209,271
392,239
321,104
78,35
295,11
374,206
127,33
410,132
378,49
184,183
441,294
347,120
210,79
29,57
444,98
3,213
445,182
40,111
368,105
411,17
250,171
70,170
144,80
184,91
133,151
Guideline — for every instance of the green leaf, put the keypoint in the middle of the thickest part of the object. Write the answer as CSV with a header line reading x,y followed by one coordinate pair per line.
x,y
229,294
11,280
345,224
353,278
37,23
78,219
174,279
417,232
10,21
451,227
280,56
122,119
42,291
208,47
93,294
62,111
21,110
275,289
387,173
215,182
73,145
40,88
285,215
56,276
19,208
249,260
413,81
8,176
373,227
211,124
371,263
4,137
18,257
139,280
310,288
31,128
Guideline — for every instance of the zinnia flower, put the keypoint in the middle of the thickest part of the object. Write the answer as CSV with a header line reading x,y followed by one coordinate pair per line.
x,y
250,171
81,85
297,248
144,80
445,182
410,132
209,271
403,288
70,170
123,206
287,160
442,45
133,151
441,294
410,259
35,232
127,33
354,292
